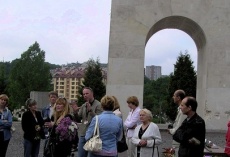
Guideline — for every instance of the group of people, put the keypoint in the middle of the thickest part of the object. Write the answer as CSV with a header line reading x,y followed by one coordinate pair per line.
x,y
142,135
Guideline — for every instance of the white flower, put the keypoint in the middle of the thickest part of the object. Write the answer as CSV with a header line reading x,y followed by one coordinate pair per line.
x,y
72,126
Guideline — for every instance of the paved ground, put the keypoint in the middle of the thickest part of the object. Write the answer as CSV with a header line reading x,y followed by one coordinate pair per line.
x,y
15,148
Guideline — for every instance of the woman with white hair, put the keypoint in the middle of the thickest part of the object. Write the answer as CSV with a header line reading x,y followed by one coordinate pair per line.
x,y
146,135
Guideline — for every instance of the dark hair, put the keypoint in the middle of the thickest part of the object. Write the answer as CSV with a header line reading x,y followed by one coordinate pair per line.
x,y
191,101
53,93
133,100
180,93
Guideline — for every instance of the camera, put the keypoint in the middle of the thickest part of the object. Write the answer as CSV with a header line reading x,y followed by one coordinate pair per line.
x,y
170,126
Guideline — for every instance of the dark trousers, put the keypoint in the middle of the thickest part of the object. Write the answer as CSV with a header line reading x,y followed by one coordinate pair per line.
x,y
3,145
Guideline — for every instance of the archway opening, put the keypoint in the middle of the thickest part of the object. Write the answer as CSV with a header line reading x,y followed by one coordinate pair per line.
x,y
165,40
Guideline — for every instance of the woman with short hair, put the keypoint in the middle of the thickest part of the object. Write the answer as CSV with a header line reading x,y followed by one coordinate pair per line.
x,y
32,125
110,127
131,122
5,124
146,135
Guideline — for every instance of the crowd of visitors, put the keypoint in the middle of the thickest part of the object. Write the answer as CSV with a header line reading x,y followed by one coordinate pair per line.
x,y
57,124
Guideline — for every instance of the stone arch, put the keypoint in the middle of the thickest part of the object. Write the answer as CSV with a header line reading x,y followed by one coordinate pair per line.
x,y
206,22
182,23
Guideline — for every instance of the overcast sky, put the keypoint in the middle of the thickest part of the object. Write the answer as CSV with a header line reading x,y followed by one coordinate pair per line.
x,y
76,30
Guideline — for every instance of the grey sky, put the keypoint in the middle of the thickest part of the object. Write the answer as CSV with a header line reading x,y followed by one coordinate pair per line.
x,y
71,31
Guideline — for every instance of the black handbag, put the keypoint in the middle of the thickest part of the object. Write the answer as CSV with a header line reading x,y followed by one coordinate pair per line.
x,y
49,149
49,146
122,145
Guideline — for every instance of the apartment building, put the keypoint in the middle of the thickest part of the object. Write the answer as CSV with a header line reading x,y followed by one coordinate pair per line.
x,y
153,72
67,80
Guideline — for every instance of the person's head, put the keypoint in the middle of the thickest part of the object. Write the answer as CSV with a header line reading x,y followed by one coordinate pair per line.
x,y
88,94
178,96
145,115
61,108
188,105
3,100
116,103
53,95
31,104
73,104
107,103
132,102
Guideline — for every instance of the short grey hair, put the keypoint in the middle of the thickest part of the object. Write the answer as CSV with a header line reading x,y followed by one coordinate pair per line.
x,y
148,113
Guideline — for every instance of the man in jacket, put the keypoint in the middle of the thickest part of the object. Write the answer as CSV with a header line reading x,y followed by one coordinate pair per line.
x,y
88,110
191,134
178,96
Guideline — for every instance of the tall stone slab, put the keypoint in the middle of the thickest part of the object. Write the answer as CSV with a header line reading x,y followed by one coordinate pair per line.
x,y
207,22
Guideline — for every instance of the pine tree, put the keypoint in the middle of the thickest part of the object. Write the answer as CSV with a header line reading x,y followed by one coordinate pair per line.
x,y
93,78
184,77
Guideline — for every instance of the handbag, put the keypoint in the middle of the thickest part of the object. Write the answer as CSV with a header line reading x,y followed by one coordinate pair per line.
x,y
49,146
122,145
94,144
154,149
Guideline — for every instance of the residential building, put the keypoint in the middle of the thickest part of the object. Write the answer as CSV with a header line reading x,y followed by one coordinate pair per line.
x,y
153,72
67,80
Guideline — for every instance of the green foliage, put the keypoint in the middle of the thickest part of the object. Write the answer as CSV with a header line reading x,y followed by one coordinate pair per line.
x,y
155,96
93,78
29,73
184,77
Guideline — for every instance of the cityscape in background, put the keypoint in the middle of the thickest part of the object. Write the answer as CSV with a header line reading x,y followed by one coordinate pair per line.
x,y
68,79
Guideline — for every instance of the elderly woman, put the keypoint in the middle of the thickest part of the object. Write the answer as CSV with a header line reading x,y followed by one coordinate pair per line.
x,y
110,127
131,122
32,124
5,124
146,135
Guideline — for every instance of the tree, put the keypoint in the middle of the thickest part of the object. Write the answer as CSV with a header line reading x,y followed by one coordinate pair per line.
x,y
93,78
2,78
184,77
29,73
155,96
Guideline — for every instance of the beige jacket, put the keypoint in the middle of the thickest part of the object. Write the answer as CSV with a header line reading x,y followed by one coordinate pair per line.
x,y
87,117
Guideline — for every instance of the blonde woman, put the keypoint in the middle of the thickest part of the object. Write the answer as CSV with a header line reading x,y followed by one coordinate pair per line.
x,y
61,111
145,135
5,124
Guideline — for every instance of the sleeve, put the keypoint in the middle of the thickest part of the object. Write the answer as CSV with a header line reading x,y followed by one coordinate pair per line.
x,y
25,123
184,132
120,131
80,112
90,130
181,118
135,139
8,123
155,136
132,121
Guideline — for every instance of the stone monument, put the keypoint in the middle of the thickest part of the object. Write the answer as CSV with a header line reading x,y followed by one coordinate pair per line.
x,y
133,22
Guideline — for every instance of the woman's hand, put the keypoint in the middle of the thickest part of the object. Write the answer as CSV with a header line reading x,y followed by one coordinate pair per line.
x,y
143,143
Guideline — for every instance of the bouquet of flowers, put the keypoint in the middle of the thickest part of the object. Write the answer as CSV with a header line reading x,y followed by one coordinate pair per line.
x,y
37,129
66,129
169,152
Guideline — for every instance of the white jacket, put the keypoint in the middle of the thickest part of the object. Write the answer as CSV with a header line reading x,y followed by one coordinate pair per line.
x,y
151,133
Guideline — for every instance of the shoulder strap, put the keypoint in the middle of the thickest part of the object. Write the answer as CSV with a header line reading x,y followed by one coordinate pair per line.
x,y
96,128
